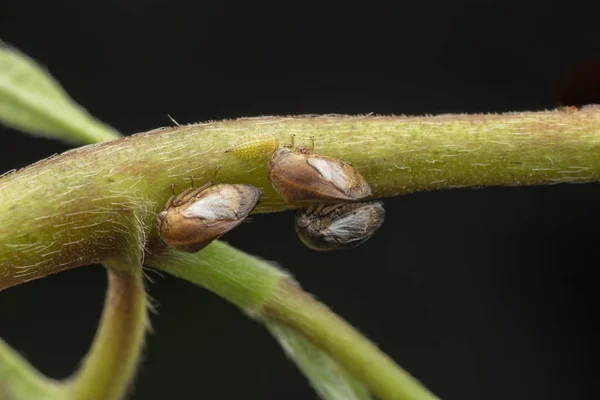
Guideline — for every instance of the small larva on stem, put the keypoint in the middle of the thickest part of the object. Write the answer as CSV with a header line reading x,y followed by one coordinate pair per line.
x,y
254,146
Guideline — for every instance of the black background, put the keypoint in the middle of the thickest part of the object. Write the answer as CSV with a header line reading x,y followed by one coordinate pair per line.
x,y
481,294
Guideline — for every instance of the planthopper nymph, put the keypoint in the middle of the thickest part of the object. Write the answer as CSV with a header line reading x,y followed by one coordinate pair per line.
x,y
197,216
326,227
301,175
254,146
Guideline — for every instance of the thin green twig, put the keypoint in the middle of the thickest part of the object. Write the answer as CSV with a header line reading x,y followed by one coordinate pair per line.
x,y
265,292
109,366
20,381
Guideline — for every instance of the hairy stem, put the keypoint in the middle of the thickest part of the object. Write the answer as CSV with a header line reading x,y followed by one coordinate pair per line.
x,y
20,381
300,311
70,210
109,367
242,279
327,377
266,292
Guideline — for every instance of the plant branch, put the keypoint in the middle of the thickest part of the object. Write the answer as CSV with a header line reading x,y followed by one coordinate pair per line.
x,y
330,380
109,367
295,308
20,381
240,278
76,203
267,293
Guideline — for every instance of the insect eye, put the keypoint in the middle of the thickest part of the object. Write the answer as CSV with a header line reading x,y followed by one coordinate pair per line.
x,y
303,222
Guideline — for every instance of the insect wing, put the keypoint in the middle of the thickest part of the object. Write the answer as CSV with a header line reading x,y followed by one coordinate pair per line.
x,y
348,228
332,171
214,206
224,202
358,225
343,176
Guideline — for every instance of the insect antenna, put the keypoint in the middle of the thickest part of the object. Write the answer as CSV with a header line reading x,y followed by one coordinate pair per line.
x,y
214,174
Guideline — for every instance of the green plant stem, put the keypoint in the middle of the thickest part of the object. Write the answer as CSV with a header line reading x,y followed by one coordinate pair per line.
x,y
300,311
20,381
242,279
109,367
69,210
327,377
265,292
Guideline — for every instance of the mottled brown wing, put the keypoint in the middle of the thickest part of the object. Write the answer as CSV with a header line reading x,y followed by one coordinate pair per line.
x,y
342,175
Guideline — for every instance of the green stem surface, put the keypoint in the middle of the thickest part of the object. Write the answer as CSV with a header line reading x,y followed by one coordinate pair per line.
x,y
300,311
109,366
20,381
70,210
265,292
327,377
240,278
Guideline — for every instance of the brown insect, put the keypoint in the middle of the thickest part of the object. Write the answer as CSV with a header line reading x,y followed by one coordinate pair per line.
x,y
301,175
197,216
339,226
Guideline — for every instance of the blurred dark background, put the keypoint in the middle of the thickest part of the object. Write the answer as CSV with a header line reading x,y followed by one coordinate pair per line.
x,y
481,294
